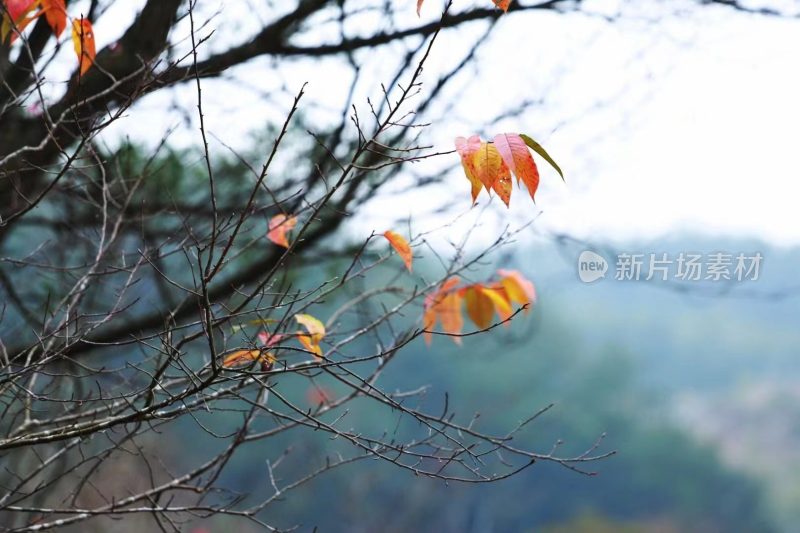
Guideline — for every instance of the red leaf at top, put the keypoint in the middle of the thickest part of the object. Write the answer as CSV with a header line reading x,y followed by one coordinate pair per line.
x,y
518,158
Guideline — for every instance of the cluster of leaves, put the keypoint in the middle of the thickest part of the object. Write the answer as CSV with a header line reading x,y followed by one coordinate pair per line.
x,y
310,339
482,302
18,14
490,164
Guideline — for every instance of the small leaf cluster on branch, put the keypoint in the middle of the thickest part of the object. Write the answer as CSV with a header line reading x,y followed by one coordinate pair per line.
x,y
490,164
18,14
482,301
310,339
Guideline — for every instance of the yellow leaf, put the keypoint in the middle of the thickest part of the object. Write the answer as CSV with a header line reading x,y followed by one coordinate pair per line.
x,y
316,330
500,301
518,289
480,307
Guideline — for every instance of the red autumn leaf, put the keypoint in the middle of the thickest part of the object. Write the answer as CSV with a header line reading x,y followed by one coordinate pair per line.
x,y
241,357
467,148
419,6
269,339
56,15
19,8
83,41
401,246
502,4
279,226
518,289
480,307
19,13
518,158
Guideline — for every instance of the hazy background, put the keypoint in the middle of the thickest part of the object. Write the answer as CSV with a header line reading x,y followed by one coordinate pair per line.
x,y
676,125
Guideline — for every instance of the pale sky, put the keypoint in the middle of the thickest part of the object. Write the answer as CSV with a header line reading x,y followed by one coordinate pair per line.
x,y
673,118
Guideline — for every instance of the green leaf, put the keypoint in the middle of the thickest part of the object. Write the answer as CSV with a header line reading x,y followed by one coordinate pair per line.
x,y
536,147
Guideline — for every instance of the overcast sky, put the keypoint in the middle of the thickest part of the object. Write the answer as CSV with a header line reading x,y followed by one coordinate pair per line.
x,y
671,118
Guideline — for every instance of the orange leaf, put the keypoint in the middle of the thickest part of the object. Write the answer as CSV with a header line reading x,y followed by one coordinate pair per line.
x,y
518,289
480,307
241,357
309,344
444,305
401,246
518,158
419,6
467,148
492,171
83,41
502,4
449,311
56,15
279,226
